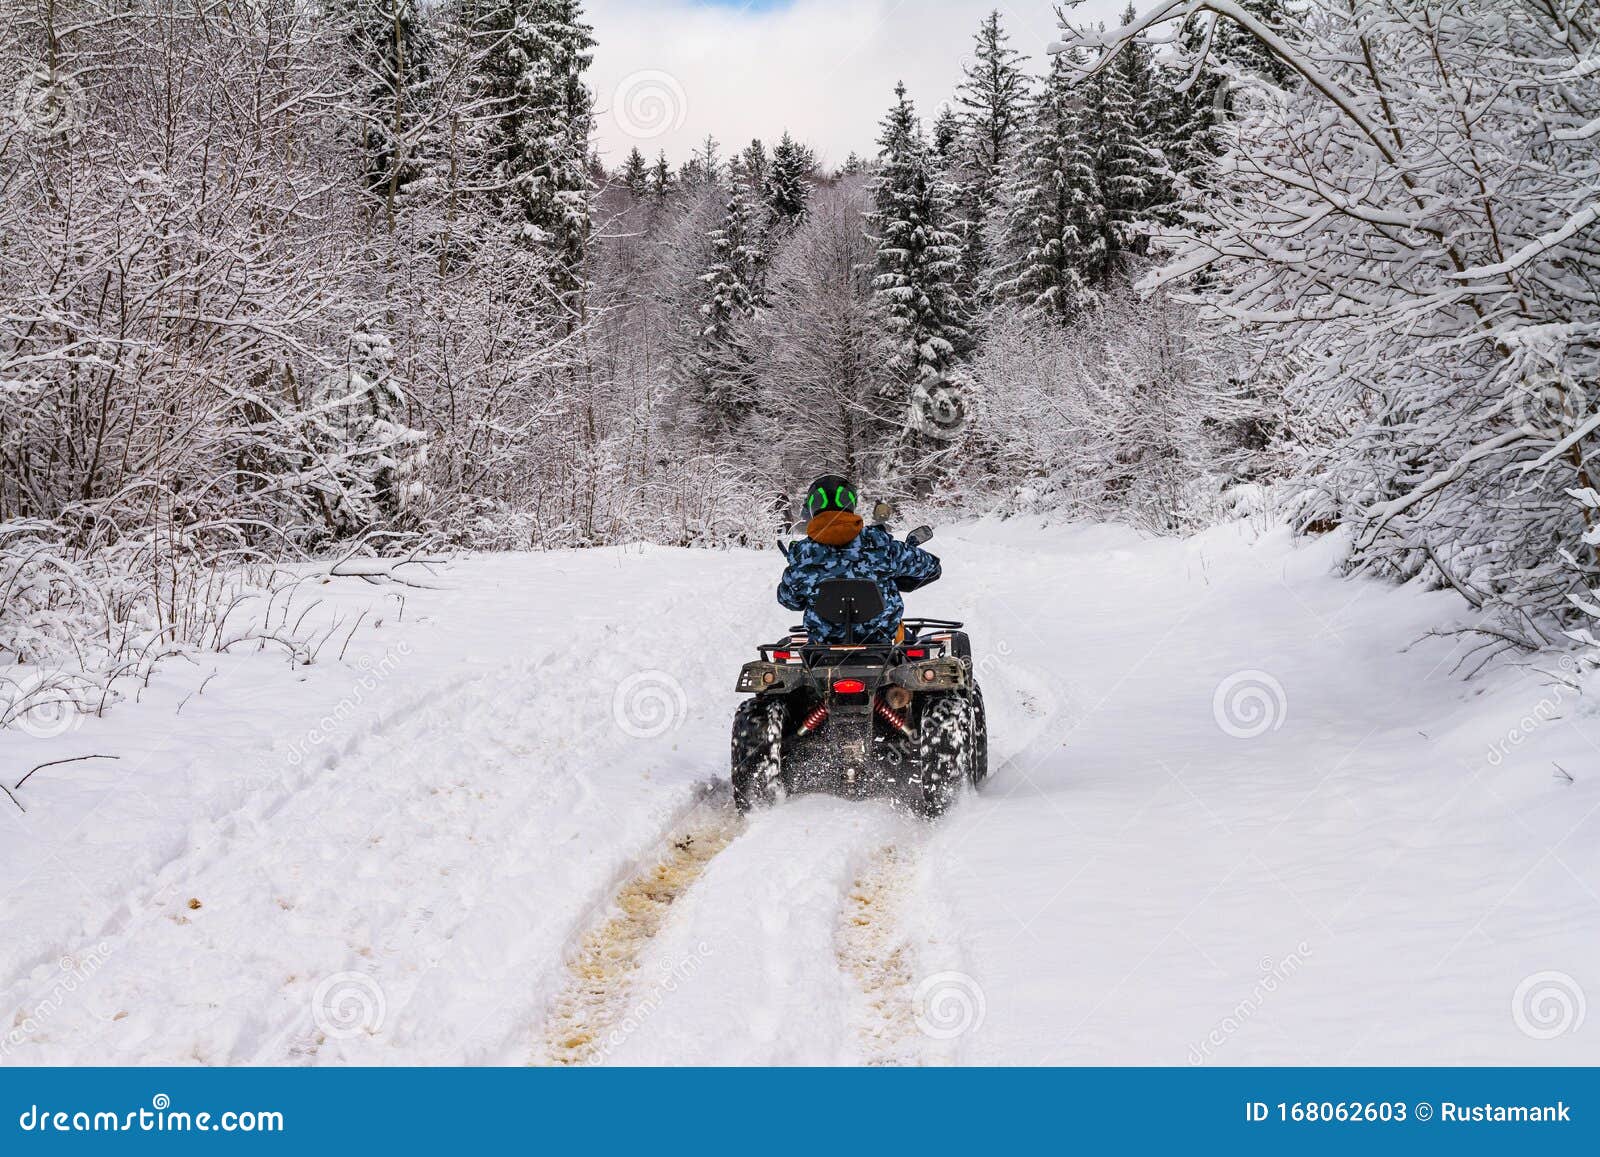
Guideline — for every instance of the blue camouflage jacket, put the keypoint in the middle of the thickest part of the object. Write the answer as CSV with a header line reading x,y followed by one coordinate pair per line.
x,y
873,553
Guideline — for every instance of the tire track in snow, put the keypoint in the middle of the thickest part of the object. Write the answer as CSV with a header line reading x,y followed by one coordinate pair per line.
x,y
213,838
599,996
747,970
876,951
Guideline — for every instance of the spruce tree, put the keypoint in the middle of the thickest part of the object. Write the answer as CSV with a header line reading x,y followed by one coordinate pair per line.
x,y
1129,167
660,177
788,190
1055,225
718,372
356,423
1188,122
754,167
994,93
732,282
945,137
993,96
635,172
918,258
390,61
534,70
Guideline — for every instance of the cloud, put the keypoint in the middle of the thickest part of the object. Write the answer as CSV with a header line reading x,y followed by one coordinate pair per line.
x,y
667,72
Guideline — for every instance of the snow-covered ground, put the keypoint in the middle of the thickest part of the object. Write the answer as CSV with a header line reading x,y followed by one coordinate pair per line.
x,y
1242,811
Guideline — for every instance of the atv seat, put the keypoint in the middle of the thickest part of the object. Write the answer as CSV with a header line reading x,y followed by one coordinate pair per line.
x,y
847,603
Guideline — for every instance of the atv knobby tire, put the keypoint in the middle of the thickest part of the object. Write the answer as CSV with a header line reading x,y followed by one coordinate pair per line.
x,y
944,752
758,753
980,738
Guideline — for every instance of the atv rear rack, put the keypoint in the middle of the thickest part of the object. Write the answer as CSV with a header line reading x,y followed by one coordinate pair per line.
x,y
796,647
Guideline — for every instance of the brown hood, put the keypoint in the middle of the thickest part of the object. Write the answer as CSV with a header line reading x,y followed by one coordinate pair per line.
x,y
834,527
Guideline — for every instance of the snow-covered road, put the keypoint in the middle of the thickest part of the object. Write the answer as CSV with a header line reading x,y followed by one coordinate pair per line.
x,y
1242,811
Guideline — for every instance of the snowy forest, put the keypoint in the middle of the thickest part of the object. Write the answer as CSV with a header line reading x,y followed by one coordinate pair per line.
x,y
350,281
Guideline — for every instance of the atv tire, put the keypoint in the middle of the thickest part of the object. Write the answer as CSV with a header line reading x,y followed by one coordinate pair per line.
x,y
944,752
980,738
758,753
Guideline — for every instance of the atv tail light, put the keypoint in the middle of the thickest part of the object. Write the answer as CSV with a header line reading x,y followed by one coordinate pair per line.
x,y
781,656
848,686
917,653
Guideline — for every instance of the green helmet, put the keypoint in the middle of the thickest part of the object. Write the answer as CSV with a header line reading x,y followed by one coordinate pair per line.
x,y
830,492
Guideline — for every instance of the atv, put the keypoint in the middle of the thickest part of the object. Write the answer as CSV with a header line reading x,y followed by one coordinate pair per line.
x,y
900,719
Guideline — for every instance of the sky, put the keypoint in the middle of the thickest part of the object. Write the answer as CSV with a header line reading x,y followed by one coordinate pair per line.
x,y
667,72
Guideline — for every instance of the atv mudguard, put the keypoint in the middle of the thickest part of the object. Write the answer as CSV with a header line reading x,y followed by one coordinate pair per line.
x,y
753,678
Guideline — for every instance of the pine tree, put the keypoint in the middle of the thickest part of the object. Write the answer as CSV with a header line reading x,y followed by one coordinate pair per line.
x,y
534,71
1055,223
788,190
635,172
732,283
918,258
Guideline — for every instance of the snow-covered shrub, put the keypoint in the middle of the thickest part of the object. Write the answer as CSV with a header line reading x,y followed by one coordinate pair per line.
x,y
79,614
1587,635
698,500
1129,413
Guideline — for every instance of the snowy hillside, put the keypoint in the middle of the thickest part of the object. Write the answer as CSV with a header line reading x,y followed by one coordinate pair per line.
x,y
1242,811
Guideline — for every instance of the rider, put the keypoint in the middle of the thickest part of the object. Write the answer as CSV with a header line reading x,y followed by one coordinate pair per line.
x,y
839,546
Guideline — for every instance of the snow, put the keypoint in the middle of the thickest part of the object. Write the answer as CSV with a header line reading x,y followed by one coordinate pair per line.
x,y
1242,811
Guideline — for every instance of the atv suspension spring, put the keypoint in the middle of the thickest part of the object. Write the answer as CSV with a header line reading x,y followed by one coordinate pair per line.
x,y
818,716
892,717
